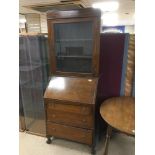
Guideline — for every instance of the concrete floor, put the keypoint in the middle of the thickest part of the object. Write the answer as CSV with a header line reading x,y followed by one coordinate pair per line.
x,y
35,145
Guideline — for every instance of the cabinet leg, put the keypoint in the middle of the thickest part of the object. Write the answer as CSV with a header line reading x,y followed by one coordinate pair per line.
x,y
93,151
108,134
48,140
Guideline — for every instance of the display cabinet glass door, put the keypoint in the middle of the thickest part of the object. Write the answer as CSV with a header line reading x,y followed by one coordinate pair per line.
x,y
74,46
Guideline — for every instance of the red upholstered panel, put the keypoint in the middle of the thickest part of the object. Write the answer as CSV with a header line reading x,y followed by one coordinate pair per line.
x,y
111,60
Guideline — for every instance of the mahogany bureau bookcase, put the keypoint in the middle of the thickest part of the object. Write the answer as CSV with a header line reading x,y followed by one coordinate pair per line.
x,y
74,37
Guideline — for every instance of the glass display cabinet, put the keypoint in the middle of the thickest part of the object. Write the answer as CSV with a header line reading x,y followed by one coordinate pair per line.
x,y
73,46
74,41
74,37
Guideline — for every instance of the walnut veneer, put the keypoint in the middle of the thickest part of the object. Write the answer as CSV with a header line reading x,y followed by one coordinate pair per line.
x,y
119,113
70,106
74,61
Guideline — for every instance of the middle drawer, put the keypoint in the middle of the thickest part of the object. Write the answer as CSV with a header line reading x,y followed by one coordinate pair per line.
x,y
72,108
84,121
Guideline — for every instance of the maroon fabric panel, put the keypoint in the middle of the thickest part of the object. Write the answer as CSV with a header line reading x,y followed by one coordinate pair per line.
x,y
111,60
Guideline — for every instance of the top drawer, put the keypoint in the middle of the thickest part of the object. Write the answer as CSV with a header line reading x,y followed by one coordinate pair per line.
x,y
66,107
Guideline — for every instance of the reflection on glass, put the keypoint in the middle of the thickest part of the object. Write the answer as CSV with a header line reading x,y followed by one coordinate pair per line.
x,y
57,83
73,46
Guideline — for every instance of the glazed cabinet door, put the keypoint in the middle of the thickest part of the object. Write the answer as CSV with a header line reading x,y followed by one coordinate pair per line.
x,y
73,46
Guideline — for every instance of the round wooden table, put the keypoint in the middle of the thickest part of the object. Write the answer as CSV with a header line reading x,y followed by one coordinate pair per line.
x,y
119,113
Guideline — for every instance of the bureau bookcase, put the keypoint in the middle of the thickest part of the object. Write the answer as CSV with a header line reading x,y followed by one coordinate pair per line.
x,y
74,61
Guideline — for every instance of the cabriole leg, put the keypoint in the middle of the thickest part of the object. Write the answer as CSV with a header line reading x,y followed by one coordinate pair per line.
x,y
108,134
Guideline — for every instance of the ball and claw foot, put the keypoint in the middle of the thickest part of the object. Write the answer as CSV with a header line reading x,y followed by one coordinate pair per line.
x,y
48,141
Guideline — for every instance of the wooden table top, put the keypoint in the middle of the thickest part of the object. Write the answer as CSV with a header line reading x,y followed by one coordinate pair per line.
x,y
119,112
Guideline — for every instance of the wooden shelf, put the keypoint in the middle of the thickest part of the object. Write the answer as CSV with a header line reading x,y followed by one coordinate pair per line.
x,y
75,56
74,40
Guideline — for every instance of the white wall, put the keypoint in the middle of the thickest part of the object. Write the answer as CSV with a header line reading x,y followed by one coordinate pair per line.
x,y
43,23
33,22
130,29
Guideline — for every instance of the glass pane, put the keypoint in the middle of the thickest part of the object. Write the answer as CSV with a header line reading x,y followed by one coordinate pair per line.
x,y
73,46
33,78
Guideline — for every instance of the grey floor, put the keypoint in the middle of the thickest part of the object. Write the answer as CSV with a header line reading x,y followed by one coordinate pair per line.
x,y
120,144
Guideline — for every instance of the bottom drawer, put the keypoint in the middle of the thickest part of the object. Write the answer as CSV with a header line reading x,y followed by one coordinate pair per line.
x,y
71,133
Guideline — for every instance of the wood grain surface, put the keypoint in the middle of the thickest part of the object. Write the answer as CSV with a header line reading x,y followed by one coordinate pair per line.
x,y
119,112
75,89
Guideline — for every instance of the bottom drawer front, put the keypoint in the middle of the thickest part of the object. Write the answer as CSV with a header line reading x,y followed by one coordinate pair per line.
x,y
71,133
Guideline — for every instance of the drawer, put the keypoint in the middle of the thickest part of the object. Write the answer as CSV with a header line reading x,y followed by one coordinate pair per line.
x,y
84,121
66,107
71,133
